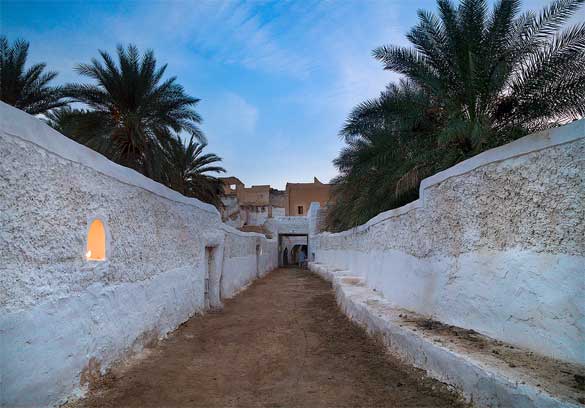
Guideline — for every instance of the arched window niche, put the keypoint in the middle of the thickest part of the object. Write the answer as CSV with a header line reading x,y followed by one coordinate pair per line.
x,y
96,246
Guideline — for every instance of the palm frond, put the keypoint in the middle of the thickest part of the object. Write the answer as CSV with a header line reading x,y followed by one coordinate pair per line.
x,y
474,79
26,89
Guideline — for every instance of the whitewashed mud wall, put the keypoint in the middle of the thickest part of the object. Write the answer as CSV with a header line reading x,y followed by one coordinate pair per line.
x,y
65,319
313,219
245,260
495,244
287,225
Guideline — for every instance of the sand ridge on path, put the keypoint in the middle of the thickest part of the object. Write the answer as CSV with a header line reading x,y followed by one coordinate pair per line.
x,y
283,342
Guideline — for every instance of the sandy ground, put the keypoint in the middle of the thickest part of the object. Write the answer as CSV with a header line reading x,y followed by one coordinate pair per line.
x,y
281,343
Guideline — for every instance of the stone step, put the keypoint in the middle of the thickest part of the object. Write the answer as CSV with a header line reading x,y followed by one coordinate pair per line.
x,y
488,372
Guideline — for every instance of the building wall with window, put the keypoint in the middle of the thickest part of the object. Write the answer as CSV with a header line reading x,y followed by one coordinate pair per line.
x,y
250,206
253,206
301,195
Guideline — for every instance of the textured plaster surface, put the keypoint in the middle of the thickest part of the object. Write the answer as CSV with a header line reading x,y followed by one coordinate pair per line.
x,y
484,380
62,317
242,266
17,123
530,202
499,248
313,221
287,225
44,211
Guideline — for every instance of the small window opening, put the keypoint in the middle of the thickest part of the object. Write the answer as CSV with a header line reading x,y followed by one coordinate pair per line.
x,y
96,242
300,210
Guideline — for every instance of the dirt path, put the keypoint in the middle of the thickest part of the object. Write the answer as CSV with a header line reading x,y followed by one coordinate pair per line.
x,y
281,343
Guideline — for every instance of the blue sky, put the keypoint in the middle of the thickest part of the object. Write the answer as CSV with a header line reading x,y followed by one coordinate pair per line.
x,y
276,79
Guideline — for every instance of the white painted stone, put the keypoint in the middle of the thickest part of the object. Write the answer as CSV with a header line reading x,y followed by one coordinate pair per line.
x,y
484,382
312,221
278,212
287,225
58,311
495,244
529,299
19,124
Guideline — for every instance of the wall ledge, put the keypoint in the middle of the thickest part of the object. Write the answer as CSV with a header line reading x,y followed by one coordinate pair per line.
x,y
520,147
231,230
485,380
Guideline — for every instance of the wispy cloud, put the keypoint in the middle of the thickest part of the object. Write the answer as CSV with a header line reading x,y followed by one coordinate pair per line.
x,y
230,124
276,78
227,32
229,116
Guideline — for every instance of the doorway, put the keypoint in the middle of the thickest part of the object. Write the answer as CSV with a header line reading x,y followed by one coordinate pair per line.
x,y
258,254
290,247
209,272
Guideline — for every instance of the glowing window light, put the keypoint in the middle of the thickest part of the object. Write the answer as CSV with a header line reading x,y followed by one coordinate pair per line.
x,y
96,242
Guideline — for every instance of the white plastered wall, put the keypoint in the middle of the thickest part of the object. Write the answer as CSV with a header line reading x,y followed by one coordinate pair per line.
x,y
495,244
64,320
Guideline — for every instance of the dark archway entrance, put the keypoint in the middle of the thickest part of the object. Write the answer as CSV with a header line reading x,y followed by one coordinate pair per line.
x,y
290,247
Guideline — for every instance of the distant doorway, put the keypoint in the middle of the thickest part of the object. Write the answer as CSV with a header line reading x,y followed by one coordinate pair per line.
x,y
290,247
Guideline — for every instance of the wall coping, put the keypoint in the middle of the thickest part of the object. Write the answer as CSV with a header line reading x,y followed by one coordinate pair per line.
x,y
231,230
520,147
294,218
21,125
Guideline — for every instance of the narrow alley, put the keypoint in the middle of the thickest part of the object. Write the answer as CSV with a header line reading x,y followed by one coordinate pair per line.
x,y
281,343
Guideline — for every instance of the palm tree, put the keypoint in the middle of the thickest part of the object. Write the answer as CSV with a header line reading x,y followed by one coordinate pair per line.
x,y
132,113
186,170
474,80
389,145
83,126
64,119
498,75
26,89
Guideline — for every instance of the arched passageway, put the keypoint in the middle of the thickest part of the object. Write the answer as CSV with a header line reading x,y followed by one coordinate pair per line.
x,y
290,246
